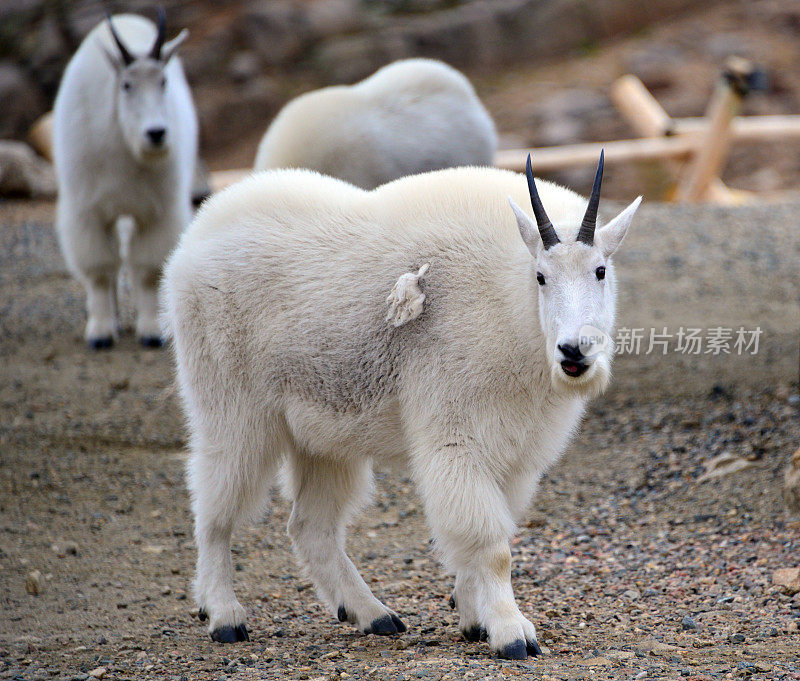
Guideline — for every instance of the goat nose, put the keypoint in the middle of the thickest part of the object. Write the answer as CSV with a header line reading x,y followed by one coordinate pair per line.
x,y
571,352
156,135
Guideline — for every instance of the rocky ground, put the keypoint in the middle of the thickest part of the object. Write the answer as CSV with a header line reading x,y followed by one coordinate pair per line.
x,y
629,566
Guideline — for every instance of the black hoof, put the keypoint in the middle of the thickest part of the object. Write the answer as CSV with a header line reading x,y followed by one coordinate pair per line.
x,y
476,633
398,623
517,650
103,343
202,615
229,634
151,341
341,613
388,625
452,602
533,649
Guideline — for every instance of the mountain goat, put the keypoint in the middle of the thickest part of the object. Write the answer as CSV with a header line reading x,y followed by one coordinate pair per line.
x,y
124,144
409,117
276,299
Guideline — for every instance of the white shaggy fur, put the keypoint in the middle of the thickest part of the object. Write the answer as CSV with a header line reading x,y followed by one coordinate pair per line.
x,y
108,167
276,299
409,117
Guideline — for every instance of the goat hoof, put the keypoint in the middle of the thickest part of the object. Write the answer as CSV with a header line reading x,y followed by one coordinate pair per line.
x,y
230,634
151,341
202,615
341,613
533,648
518,650
452,602
475,633
388,625
102,343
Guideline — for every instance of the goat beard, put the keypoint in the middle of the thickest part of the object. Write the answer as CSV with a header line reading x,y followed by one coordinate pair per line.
x,y
590,384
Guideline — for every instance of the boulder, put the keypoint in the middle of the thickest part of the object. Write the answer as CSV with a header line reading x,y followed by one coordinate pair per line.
x,y
791,484
23,173
22,102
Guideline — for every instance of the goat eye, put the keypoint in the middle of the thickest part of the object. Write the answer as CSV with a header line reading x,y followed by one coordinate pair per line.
x,y
126,86
540,278
163,83
600,272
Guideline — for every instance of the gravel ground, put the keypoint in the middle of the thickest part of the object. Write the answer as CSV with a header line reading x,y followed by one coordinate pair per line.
x,y
628,565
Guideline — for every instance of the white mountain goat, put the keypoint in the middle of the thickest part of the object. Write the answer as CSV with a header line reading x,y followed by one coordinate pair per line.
x,y
124,144
276,299
409,117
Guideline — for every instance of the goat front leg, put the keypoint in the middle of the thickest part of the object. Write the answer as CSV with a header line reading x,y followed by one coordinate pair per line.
x,y
91,250
472,524
149,246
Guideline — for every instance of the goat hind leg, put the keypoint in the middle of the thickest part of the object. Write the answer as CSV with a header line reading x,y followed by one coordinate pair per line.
x,y
227,485
326,494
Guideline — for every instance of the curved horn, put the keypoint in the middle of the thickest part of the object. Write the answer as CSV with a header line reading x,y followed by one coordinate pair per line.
x,y
548,234
586,232
127,57
155,51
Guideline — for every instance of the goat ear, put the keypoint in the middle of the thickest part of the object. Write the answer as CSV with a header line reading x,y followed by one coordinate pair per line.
x,y
170,48
113,58
611,235
527,228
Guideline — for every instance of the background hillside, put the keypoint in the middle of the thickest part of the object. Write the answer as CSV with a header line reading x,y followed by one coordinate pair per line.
x,y
543,67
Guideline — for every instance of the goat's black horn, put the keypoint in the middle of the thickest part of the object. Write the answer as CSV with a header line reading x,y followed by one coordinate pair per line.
x,y
127,57
155,51
548,234
586,232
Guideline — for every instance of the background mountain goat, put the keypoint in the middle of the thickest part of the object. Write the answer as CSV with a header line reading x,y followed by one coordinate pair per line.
x,y
409,117
277,302
124,144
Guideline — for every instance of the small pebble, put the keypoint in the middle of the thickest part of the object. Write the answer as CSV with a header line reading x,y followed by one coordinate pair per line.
x,y
34,584
688,624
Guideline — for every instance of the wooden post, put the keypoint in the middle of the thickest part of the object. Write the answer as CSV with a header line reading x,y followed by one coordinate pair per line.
x,y
713,146
549,159
640,108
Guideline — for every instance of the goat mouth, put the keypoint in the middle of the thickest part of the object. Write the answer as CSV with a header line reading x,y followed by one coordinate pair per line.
x,y
573,369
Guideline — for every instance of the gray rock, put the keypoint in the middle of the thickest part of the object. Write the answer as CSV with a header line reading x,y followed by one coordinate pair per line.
x,y
22,101
277,30
244,66
327,18
688,623
791,484
23,173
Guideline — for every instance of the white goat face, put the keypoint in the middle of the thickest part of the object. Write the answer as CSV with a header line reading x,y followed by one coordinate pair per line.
x,y
142,108
577,291
142,102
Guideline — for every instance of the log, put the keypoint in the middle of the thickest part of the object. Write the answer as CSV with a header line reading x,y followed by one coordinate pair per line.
x,y
224,178
549,159
640,108
746,128
40,136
